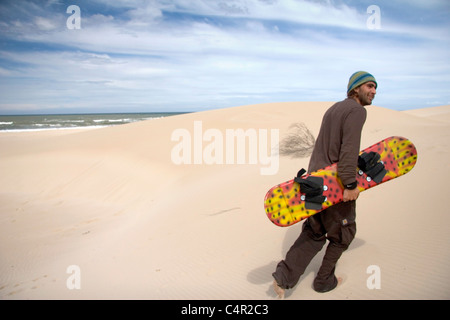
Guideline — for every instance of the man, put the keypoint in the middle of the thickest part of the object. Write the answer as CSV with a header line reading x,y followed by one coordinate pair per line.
x,y
338,141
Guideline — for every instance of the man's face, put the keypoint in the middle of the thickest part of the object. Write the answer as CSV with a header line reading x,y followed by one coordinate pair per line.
x,y
366,93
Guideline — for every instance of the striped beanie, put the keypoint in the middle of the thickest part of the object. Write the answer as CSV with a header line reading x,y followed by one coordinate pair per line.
x,y
359,78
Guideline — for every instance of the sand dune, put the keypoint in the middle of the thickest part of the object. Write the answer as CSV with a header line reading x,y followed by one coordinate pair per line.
x,y
434,113
113,205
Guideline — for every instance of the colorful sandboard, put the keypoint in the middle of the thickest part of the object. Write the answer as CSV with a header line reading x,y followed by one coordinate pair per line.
x,y
305,195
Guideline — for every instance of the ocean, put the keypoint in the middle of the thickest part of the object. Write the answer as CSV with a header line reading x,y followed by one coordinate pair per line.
x,y
73,121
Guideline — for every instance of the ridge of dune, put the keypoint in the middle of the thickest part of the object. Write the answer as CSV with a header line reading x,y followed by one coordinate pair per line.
x,y
113,202
440,113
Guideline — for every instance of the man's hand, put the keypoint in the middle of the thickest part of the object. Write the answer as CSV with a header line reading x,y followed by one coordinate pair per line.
x,y
351,194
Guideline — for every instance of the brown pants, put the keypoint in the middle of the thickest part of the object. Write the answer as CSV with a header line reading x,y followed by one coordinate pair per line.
x,y
337,224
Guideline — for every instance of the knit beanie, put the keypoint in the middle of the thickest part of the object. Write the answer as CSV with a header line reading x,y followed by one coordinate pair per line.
x,y
359,78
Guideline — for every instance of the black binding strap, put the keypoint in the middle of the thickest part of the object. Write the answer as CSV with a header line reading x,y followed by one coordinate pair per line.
x,y
312,187
370,165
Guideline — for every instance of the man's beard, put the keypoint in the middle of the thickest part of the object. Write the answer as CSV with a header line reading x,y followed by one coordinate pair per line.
x,y
365,99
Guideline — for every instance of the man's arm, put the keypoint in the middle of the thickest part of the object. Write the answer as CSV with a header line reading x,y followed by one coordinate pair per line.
x,y
348,158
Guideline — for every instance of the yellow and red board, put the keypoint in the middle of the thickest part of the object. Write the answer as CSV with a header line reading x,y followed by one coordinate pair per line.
x,y
284,204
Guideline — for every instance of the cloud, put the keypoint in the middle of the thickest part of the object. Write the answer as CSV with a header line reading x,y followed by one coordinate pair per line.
x,y
44,24
171,55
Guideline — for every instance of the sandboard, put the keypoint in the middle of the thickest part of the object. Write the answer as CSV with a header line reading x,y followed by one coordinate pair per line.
x,y
307,194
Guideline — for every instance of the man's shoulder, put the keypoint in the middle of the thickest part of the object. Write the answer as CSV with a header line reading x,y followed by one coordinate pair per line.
x,y
348,103
346,106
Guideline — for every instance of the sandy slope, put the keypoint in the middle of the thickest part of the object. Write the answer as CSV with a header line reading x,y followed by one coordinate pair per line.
x,y
112,202
434,113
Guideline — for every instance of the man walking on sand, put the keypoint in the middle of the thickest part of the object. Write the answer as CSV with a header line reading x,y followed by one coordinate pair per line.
x,y
338,141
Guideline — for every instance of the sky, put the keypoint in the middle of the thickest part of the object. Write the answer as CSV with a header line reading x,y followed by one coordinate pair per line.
x,y
100,56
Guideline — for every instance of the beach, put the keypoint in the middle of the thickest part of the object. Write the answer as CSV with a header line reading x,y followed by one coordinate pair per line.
x,y
163,209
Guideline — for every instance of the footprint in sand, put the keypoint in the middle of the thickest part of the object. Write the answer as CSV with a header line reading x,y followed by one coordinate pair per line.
x,y
21,286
